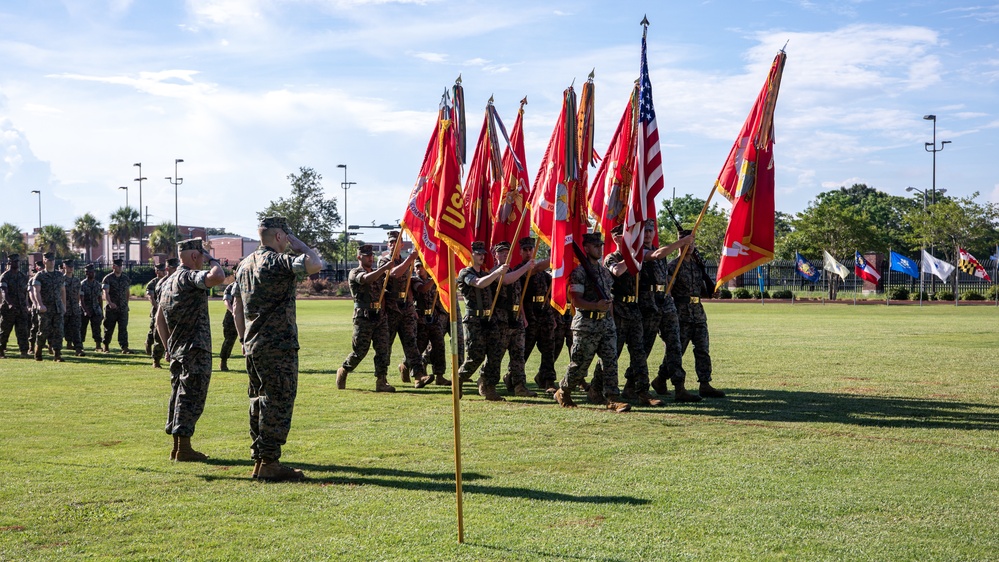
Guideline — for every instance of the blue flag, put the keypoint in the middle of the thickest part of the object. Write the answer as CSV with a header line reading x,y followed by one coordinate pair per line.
x,y
904,265
806,269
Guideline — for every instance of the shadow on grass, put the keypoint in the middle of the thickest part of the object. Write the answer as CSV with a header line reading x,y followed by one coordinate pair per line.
x,y
540,554
342,475
849,409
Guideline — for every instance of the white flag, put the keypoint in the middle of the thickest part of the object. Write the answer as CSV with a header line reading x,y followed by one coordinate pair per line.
x,y
937,267
830,264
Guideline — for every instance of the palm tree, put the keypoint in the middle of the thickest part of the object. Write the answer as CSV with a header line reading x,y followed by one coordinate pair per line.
x,y
123,226
52,238
11,239
162,240
86,232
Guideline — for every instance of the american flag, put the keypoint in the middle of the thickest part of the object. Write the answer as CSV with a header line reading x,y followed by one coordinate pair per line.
x,y
648,180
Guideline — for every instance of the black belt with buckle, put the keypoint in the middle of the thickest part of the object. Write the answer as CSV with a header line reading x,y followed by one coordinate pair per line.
x,y
594,314
472,312
539,299
629,298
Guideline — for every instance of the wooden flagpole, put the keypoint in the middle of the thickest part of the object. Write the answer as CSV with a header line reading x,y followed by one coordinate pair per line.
x,y
455,392
693,232
509,260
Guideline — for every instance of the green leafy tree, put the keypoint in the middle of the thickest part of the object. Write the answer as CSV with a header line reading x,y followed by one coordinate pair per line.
x,y
86,232
782,229
11,239
163,239
124,226
52,238
311,217
831,224
218,232
710,233
953,222
885,213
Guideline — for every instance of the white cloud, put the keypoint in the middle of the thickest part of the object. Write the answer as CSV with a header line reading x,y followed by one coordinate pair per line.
x,y
431,57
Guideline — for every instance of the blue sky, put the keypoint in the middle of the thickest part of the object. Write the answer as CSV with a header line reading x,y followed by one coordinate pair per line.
x,y
247,91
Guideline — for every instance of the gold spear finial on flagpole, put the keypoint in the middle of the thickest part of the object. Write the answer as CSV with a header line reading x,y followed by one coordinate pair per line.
x,y
523,102
645,20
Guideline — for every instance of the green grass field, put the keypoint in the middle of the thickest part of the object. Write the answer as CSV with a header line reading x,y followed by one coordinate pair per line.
x,y
849,433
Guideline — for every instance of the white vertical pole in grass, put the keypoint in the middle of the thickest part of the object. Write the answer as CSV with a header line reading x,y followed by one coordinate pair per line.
x,y
957,271
455,393
921,250
855,280
887,277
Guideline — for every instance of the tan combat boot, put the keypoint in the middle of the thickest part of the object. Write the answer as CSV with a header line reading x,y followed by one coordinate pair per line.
x,y
173,453
646,399
659,385
595,396
223,365
682,395
58,356
439,380
564,399
274,471
341,378
488,392
185,453
149,348
157,364
38,353
615,405
382,385
522,391
629,391
404,372
80,353
708,391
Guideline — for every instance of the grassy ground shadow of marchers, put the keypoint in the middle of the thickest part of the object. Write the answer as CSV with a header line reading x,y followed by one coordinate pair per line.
x,y
422,481
849,409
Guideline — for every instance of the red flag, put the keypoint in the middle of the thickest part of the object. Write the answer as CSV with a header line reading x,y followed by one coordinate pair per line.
x,y
610,194
512,203
863,269
747,180
484,175
558,210
434,216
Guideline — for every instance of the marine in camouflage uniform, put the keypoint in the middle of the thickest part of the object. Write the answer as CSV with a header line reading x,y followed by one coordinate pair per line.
x,y
400,312
183,312
50,294
475,284
116,286
370,326
14,314
229,333
509,322
593,331
33,313
73,317
690,285
628,324
153,296
92,307
542,322
659,314
433,324
264,310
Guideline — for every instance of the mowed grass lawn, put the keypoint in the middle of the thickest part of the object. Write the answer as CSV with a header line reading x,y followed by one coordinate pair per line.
x,y
849,433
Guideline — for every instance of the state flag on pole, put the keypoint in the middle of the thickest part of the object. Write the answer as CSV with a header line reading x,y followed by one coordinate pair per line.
x,y
936,267
904,265
968,264
863,269
747,180
831,265
805,268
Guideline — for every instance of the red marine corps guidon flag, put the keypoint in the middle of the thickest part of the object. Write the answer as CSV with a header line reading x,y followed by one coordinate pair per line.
x,y
747,181
484,177
511,204
434,217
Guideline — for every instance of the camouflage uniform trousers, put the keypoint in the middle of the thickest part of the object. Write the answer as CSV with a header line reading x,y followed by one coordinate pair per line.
x,y
511,342
273,386
116,317
696,333
665,324
72,327
50,329
481,344
586,344
630,331
33,328
13,319
95,326
541,334
403,323
190,375
562,335
430,338
229,334
368,333
157,344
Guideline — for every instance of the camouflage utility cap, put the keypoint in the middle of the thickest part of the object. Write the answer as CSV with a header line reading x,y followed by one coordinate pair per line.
x,y
275,222
393,235
527,242
500,246
619,229
69,264
160,267
593,238
196,244
478,247
48,256
173,262
118,261
365,250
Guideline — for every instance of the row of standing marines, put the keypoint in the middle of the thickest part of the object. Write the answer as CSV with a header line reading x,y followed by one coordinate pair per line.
x,y
612,309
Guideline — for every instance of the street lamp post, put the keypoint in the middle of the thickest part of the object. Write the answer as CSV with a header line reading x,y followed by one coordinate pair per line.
x,y
39,193
346,185
125,187
931,147
933,281
175,181
142,223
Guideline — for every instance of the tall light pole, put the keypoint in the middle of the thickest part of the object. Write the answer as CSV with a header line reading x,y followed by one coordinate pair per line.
x,y
142,223
175,181
346,185
125,187
39,193
932,148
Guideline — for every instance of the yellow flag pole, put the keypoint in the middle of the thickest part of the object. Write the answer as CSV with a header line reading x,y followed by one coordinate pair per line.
x,y
388,274
693,231
455,391
509,260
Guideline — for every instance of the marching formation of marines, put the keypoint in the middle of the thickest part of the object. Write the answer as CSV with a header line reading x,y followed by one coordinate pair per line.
x,y
615,303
